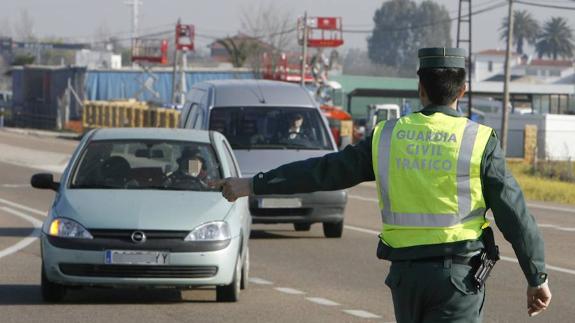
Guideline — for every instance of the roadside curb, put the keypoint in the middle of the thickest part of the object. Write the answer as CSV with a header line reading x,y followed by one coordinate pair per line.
x,y
42,133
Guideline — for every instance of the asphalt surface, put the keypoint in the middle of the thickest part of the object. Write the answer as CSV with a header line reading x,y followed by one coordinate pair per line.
x,y
295,276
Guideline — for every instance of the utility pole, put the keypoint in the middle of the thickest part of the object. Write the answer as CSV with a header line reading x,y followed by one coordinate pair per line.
x,y
461,21
505,113
135,4
304,50
135,13
175,70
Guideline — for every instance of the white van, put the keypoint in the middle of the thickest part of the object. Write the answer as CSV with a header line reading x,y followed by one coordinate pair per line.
x,y
267,124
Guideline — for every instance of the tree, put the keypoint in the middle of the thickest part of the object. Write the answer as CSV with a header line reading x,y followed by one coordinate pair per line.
x,y
402,27
525,29
556,39
239,48
271,25
24,27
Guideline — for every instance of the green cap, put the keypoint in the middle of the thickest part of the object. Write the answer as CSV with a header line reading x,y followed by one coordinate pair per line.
x,y
441,57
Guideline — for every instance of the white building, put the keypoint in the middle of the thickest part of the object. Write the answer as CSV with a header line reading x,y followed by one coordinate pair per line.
x,y
489,66
96,59
490,63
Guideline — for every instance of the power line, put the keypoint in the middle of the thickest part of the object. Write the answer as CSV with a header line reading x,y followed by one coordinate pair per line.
x,y
497,6
544,5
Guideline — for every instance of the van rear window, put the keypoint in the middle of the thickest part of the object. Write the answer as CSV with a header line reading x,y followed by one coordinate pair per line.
x,y
271,128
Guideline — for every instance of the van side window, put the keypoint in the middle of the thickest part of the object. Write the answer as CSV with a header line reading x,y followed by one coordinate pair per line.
x,y
199,118
191,116
185,115
230,160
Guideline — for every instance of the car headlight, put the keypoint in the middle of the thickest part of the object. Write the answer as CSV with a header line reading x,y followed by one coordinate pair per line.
x,y
211,231
66,228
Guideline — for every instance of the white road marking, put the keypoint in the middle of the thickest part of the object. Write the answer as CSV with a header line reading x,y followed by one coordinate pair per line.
x,y
15,185
23,207
543,225
363,314
361,198
368,184
290,291
529,204
510,259
322,301
260,281
26,241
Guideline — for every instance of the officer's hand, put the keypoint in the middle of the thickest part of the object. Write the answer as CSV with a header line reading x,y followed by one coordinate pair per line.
x,y
233,188
538,299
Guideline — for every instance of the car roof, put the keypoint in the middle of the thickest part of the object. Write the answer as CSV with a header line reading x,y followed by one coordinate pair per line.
x,y
202,136
261,93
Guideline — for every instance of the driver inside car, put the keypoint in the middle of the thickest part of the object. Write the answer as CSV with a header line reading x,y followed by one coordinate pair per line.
x,y
295,131
191,172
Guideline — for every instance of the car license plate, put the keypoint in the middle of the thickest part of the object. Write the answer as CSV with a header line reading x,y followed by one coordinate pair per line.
x,y
136,257
276,203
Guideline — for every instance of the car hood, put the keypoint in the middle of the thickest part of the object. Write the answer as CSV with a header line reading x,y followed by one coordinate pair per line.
x,y
144,210
256,160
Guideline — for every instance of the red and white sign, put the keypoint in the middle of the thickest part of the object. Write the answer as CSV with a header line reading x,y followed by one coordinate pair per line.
x,y
326,23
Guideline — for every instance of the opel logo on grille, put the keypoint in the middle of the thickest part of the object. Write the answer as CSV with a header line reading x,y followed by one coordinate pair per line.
x,y
138,237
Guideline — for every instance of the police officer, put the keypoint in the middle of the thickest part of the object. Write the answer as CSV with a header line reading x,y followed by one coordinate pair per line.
x,y
437,174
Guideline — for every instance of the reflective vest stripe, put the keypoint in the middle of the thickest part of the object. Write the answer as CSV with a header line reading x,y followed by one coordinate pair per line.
x,y
463,184
463,168
429,220
384,149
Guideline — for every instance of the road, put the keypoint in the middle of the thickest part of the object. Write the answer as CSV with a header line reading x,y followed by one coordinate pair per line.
x,y
295,277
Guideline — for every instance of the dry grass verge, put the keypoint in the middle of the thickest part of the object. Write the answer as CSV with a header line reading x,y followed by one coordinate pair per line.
x,y
540,188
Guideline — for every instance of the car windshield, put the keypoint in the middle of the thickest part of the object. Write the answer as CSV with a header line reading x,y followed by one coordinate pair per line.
x,y
271,128
145,165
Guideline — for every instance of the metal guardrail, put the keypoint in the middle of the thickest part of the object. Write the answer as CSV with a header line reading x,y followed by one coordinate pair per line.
x,y
101,114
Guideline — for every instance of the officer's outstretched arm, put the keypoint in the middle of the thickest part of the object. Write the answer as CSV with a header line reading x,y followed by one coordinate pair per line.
x,y
334,171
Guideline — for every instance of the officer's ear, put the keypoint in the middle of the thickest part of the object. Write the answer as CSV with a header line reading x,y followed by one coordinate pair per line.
x,y
462,91
421,92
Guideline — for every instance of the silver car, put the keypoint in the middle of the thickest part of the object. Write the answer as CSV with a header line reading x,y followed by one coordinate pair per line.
x,y
133,208
269,123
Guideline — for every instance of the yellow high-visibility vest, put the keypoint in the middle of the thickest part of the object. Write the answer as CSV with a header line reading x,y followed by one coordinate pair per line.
x,y
427,170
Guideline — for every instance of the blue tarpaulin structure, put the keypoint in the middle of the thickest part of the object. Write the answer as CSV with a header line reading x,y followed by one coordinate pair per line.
x,y
39,89
116,85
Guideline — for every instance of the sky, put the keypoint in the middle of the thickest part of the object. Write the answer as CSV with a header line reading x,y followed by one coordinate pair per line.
x,y
80,20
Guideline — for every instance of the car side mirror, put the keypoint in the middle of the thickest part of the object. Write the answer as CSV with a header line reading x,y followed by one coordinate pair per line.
x,y
44,181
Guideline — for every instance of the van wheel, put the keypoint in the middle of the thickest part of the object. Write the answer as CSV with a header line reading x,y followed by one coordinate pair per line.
x,y
246,270
333,229
231,292
302,226
51,292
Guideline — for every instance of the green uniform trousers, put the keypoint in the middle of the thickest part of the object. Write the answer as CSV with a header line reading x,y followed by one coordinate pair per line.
x,y
434,291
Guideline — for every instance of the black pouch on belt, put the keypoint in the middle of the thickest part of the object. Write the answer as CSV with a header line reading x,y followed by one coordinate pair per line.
x,y
489,256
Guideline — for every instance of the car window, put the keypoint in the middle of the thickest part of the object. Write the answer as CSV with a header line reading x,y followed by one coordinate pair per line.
x,y
271,128
146,164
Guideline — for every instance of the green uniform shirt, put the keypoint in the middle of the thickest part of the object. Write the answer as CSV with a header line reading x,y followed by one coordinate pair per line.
x,y
353,165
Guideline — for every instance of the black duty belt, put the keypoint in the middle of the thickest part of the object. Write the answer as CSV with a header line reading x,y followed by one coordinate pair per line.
x,y
456,259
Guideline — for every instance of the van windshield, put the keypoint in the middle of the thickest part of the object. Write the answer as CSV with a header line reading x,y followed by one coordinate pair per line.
x,y
271,128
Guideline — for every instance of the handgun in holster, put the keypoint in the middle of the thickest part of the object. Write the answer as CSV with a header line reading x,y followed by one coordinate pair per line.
x,y
488,257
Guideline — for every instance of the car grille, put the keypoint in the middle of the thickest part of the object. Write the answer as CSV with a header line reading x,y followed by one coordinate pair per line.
x,y
137,271
280,211
126,234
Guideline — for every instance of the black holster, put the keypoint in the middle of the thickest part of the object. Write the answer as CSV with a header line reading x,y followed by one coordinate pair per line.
x,y
488,257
